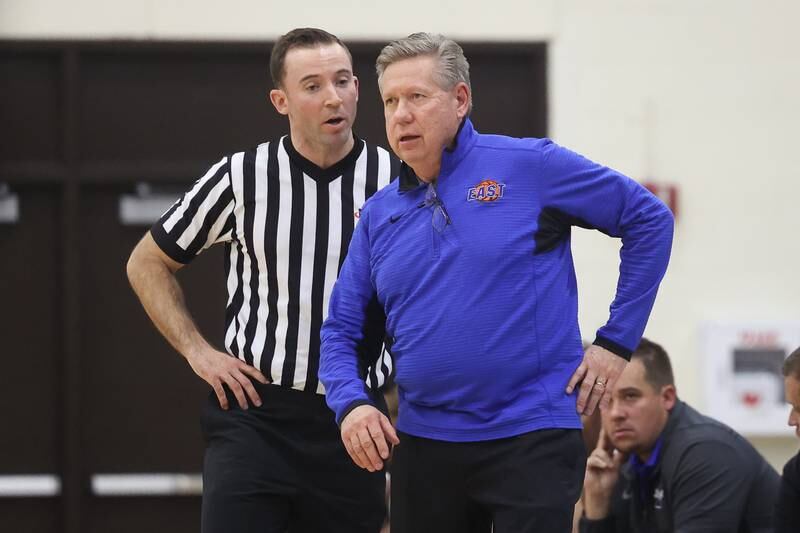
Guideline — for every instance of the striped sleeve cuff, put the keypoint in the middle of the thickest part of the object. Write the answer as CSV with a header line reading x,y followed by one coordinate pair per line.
x,y
169,246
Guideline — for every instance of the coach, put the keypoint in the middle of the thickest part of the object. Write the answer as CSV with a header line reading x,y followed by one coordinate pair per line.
x,y
468,253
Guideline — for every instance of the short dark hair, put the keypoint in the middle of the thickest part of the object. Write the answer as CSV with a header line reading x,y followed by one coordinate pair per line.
x,y
298,38
654,358
791,366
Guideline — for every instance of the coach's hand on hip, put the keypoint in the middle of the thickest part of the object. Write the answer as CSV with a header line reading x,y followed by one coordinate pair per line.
x,y
367,435
218,368
597,374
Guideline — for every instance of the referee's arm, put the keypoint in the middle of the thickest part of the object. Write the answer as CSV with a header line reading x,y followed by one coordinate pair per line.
x,y
151,273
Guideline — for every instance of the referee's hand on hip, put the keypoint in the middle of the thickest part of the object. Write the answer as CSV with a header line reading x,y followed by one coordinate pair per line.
x,y
367,435
218,369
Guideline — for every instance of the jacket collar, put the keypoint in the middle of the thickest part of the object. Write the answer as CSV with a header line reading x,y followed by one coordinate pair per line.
x,y
466,137
408,178
675,416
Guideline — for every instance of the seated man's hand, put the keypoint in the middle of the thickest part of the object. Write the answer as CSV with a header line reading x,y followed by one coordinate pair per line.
x,y
367,435
602,473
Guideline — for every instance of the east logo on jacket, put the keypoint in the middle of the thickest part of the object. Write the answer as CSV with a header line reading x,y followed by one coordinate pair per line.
x,y
487,190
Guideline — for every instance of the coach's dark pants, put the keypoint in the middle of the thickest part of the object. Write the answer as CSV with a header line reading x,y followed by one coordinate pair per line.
x,y
523,484
283,467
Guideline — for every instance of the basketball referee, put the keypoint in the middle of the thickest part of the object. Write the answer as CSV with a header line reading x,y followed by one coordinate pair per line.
x,y
285,212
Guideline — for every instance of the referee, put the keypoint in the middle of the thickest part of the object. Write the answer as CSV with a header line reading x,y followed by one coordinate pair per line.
x,y
285,212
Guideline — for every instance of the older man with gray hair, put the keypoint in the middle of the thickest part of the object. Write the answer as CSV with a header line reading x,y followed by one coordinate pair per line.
x,y
468,254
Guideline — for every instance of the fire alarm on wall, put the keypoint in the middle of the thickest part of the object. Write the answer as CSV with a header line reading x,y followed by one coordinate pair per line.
x,y
667,193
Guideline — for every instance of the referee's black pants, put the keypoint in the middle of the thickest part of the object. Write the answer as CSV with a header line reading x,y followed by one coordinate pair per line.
x,y
523,484
282,467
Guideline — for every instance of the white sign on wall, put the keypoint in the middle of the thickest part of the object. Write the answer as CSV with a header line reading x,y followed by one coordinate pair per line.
x,y
742,381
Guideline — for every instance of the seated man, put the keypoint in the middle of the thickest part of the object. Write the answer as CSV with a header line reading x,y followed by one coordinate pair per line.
x,y
661,466
787,514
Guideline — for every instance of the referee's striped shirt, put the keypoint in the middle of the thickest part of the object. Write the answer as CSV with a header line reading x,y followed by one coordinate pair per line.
x,y
286,225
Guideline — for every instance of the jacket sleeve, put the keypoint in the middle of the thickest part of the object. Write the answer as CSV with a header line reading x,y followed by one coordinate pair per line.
x,y
606,525
579,192
787,508
343,330
709,491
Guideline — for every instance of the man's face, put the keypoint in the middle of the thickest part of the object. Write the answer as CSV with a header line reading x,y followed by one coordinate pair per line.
x,y
319,94
792,386
638,412
421,117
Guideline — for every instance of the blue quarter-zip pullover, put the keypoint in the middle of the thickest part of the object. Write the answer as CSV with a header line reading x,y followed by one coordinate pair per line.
x,y
480,297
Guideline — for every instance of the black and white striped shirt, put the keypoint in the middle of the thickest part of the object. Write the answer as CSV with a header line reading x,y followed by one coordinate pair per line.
x,y
286,225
